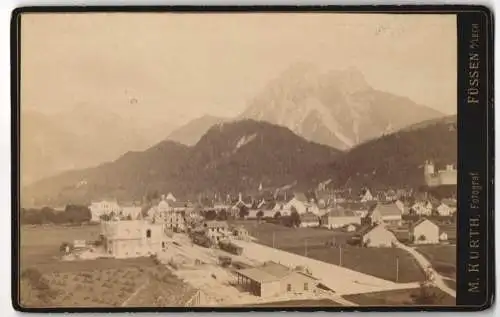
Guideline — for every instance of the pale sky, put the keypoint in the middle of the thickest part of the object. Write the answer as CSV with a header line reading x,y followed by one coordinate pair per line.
x,y
187,65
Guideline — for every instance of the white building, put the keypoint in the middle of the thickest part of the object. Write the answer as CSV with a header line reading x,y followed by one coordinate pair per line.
x,y
366,196
421,209
103,207
445,210
425,231
377,236
132,238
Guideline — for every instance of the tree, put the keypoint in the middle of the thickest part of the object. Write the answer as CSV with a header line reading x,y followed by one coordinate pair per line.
x,y
210,214
366,243
222,215
295,218
286,221
144,210
277,215
422,238
77,213
65,247
129,217
104,217
426,295
260,214
243,211
47,215
32,217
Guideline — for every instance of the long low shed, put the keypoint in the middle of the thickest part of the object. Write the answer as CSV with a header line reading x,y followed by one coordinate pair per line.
x,y
275,280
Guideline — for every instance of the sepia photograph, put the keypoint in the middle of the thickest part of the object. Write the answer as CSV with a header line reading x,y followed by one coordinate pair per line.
x,y
237,159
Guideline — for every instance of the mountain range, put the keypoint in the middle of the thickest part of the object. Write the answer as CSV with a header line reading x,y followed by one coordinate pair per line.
x,y
231,156
334,108
396,160
190,133
337,108
80,137
241,155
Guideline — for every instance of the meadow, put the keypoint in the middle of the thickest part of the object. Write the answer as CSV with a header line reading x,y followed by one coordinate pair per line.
x,y
40,244
46,281
442,257
312,242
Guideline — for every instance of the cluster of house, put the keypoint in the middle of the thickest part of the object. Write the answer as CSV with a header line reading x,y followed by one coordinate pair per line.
x,y
166,210
361,213
423,231
331,211
107,209
143,237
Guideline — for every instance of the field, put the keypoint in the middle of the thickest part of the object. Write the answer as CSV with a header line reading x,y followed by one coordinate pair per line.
x,y
401,297
451,231
48,282
41,244
442,257
379,262
285,237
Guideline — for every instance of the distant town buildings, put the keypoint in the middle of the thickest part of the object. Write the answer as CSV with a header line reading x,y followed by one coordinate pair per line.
x,y
339,217
103,207
309,219
388,214
216,230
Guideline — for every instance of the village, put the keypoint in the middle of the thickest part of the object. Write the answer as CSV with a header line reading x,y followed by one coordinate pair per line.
x,y
282,245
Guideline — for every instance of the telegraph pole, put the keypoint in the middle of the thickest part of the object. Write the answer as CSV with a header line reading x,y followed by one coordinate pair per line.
x,y
274,239
305,247
397,269
340,255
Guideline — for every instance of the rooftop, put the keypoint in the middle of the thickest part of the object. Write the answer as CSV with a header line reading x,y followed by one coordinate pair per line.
x,y
216,224
386,209
340,212
269,271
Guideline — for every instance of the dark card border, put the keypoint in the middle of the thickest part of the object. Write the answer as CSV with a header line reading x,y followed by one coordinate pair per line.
x,y
475,136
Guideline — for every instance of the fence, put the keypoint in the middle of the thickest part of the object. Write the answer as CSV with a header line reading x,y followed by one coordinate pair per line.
x,y
198,299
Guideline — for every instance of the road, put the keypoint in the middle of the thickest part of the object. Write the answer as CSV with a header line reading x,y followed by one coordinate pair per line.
x,y
341,280
437,280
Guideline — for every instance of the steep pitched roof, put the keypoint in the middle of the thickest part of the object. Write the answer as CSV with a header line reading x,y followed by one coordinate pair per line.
x,y
275,269
301,197
340,212
257,275
449,202
356,205
176,203
268,272
385,209
310,196
363,230
420,221
308,216
268,205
